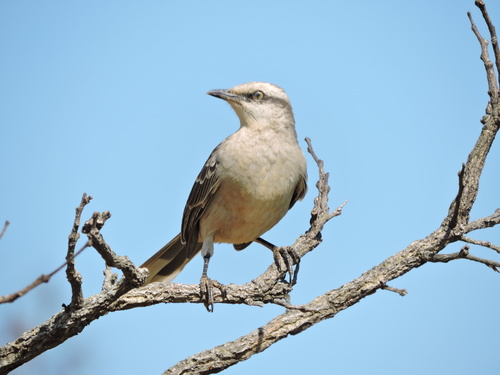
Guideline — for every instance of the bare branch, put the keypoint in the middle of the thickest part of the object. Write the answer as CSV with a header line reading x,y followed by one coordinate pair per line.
x,y
401,292
481,243
464,254
490,71
494,40
293,321
136,276
323,307
13,296
458,214
74,277
321,201
483,223
289,306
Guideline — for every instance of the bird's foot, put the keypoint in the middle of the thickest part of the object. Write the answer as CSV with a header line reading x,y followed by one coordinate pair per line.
x,y
289,257
206,291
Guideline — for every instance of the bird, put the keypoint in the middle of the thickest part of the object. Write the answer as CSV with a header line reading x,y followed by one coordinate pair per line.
x,y
247,185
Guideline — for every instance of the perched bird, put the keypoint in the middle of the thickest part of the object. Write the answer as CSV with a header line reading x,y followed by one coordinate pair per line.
x,y
249,182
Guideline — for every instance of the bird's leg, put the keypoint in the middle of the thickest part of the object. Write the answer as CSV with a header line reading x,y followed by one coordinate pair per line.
x,y
286,254
206,286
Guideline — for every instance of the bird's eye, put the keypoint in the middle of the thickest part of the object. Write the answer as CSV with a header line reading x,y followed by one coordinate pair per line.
x,y
258,95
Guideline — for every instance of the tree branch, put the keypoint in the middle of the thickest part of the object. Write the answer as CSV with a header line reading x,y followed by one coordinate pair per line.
x,y
74,277
401,292
464,254
135,276
490,72
481,243
494,40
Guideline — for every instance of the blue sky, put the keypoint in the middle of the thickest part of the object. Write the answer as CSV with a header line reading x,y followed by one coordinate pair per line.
x,y
108,98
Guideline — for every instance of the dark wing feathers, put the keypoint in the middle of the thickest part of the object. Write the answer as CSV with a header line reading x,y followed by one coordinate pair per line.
x,y
203,190
300,191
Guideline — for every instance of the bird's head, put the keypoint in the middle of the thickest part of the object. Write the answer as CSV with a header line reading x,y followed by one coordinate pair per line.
x,y
258,104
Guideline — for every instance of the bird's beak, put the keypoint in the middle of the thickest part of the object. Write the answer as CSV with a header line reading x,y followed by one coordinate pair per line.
x,y
227,95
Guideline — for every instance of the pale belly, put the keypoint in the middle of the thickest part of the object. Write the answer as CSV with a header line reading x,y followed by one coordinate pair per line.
x,y
236,216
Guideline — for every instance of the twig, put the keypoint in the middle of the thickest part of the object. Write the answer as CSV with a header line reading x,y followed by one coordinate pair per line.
x,y
289,306
464,254
493,34
490,72
321,201
7,222
74,277
481,243
401,292
136,276
40,280
483,223
12,297
318,161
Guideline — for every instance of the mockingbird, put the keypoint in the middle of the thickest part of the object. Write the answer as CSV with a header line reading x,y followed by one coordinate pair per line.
x,y
247,185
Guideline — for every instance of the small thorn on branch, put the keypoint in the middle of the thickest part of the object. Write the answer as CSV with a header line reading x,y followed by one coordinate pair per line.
x,y
401,292
7,223
464,251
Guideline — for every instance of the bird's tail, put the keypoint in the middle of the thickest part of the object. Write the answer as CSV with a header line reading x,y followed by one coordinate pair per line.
x,y
169,261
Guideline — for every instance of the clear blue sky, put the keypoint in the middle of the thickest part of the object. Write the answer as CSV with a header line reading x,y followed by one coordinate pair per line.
x,y
108,98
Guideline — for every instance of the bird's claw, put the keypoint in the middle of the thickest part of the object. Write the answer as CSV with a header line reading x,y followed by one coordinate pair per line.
x,y
289,257
206,291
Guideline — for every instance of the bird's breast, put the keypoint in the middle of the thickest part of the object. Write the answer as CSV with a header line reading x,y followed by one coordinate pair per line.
x,y
257,184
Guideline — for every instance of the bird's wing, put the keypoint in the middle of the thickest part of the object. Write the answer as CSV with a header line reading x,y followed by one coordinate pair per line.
x,y
300,191
202,192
